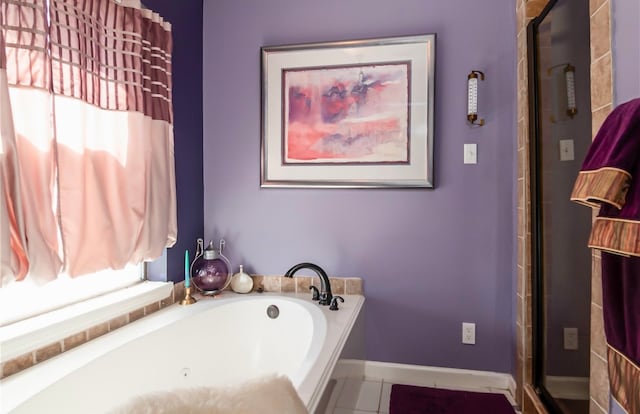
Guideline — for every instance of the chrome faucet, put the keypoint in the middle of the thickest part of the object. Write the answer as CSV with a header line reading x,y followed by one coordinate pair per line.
x,y
325,284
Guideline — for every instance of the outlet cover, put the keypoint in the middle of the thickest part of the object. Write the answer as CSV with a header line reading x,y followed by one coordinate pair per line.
x,y
468,333
566,150
571,339
470,153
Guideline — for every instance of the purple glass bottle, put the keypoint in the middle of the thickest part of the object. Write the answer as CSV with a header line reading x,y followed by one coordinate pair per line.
x,y
212,275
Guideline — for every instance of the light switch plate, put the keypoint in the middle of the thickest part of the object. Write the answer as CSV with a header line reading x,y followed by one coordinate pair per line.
x,y
470,153
571,339
566,150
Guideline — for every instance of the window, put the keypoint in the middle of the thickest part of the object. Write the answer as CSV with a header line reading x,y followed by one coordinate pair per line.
x,y
21,300
86,156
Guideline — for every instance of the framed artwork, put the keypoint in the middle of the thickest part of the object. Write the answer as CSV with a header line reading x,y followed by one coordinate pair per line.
x,y
352,114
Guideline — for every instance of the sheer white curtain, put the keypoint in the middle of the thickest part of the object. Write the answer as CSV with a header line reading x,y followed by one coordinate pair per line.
x,y
12,234
89,97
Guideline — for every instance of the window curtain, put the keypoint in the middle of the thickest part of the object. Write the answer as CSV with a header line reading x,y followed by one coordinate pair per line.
x,y
90,87
29,144
12,235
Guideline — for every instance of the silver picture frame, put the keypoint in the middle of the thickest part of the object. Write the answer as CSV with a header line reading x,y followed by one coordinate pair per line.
x,y
349,114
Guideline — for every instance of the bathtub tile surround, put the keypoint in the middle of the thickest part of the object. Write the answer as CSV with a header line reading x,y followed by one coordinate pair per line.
x,y
274,284
287,285
98,330
353,286
118,322
49,351
337,286
271,284
301,284
18,364
154,307
135,315
75,340
22,362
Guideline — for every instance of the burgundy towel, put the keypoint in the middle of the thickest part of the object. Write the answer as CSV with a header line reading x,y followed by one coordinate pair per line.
x,y
610,179
408,399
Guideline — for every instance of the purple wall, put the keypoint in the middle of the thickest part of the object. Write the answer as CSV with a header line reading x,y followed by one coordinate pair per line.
x,y
430,259
186,24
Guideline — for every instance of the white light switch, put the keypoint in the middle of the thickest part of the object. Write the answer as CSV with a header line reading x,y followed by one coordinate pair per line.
x,y
571,338
566,150
470,153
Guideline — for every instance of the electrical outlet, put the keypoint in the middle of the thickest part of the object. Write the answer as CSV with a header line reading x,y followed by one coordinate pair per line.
x,y
571,339
468,333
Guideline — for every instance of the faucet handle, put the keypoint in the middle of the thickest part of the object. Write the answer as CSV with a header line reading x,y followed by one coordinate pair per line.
x,y
316,293
325,298
334,302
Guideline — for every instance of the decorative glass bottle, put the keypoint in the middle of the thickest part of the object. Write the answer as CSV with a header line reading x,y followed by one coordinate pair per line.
x,y
213,276
241,282
196,264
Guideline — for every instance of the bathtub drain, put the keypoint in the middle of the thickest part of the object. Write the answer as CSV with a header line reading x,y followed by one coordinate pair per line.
x,y
273,311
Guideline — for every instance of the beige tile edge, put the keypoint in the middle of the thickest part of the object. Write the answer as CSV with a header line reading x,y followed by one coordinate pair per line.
x,y
22,362
277,284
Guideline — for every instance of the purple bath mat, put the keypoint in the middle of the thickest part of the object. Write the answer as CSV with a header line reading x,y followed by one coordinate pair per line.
x,y
407,399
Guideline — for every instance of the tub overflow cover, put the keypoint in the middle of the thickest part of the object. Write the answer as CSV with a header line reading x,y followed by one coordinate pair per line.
x,y
273,311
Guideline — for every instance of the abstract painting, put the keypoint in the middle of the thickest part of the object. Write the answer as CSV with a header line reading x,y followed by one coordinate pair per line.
x,y
349,114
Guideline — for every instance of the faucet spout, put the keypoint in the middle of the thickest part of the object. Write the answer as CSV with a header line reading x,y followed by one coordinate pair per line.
x,y
325,284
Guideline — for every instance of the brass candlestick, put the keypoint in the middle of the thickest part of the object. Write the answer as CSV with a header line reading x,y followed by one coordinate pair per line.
x,y
188,299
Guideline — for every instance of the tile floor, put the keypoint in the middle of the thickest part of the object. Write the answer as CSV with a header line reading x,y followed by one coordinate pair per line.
x,y
355,396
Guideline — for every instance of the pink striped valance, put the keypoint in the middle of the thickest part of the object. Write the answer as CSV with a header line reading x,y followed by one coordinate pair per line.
x,y
110,56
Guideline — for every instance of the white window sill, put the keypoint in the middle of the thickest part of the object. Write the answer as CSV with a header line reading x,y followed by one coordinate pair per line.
x,y
28,335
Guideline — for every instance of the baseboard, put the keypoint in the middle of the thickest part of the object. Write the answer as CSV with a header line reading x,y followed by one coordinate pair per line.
x,y
570,388
425,376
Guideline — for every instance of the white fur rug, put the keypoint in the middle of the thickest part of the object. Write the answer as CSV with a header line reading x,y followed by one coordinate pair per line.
x,y
269,395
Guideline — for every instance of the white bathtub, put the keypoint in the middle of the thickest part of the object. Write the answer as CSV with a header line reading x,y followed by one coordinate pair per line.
x,y
218,341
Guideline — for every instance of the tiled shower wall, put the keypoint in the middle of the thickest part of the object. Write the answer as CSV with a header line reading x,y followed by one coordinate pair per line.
x,y
601,106
523,287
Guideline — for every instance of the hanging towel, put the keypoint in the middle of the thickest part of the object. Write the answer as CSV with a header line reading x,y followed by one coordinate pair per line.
x,y
610,180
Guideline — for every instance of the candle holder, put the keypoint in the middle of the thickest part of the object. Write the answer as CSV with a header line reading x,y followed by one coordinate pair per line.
x,y
188,299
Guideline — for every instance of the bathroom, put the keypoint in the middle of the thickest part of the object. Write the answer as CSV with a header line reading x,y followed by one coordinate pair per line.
x,y
429,259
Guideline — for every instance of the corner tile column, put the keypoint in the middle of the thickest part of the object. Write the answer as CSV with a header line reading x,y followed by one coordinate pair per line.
x,y
601,106
523,290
